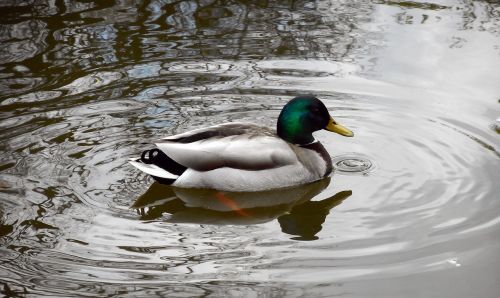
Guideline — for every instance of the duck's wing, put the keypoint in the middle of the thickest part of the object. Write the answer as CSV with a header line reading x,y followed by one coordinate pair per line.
x,y
235,145
220,131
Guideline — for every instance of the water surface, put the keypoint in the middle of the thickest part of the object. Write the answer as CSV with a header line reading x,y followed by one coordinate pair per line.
x,y
412,209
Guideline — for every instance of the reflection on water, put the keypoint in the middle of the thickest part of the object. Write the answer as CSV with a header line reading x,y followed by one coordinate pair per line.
x,y
305,220
292,207
84,84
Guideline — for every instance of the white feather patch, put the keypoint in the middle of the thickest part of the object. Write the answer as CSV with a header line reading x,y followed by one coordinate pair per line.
x,y
153,170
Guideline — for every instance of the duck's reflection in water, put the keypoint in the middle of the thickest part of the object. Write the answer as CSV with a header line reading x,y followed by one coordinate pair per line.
x,y
296,213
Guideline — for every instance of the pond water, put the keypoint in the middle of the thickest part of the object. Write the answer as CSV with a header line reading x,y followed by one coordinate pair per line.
x,y
412,210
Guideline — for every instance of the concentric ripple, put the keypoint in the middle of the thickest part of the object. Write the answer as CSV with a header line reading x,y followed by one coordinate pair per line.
x,y
352,164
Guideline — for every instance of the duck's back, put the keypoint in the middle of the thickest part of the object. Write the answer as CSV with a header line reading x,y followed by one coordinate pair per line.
x,y
236,145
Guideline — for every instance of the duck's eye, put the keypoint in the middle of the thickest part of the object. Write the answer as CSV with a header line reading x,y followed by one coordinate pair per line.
x,y
315,110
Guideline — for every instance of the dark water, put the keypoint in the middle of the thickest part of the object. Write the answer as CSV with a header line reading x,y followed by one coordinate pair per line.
x,y
413,209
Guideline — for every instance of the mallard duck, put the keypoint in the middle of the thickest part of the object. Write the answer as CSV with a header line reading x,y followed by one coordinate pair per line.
x,y
244,156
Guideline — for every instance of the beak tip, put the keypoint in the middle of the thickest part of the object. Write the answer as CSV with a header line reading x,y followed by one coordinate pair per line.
x,y
337,128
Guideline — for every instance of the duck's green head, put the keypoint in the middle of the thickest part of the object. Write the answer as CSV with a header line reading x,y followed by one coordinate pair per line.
x,y
304,115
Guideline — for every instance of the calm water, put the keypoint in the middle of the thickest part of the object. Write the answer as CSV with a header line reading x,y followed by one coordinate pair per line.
x,y
413,209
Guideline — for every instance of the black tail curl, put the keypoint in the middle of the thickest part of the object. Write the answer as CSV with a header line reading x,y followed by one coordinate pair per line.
x,y
160,159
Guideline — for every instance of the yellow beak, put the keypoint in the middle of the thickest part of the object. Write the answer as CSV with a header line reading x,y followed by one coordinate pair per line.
x,y
335,127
